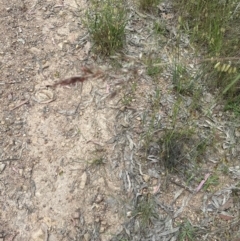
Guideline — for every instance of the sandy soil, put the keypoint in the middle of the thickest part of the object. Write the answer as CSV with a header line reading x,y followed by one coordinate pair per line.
x,y
51,136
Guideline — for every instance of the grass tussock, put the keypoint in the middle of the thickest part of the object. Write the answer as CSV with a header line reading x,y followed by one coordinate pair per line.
x,y
146,211
106,21
187,231
213,26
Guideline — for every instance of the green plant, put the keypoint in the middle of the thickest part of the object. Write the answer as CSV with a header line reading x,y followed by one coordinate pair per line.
x,y
146,211
213,180
159,28
206,21
153,67
187,231
224,169
106,21
175,148
97,162
182,80
151,121
214,29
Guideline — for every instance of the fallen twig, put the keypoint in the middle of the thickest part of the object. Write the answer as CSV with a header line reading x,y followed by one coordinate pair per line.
x,y
181,185
9,159
24,102
72,80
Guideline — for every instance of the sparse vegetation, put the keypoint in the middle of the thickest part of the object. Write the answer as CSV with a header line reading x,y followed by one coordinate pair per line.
x,y
213,180
97,162
146,211
187,231
154,67
155,146
213,26
106,21
175,148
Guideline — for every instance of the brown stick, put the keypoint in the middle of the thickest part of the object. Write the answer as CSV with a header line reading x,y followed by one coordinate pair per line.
x,y
24,102
69,81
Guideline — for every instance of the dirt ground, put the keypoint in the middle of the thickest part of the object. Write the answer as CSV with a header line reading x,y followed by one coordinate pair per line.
x,y
50,136
61,147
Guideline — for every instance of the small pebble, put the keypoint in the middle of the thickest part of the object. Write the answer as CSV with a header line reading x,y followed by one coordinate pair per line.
x,y
76,215
102,229
2,167
104,223
86,236
99,198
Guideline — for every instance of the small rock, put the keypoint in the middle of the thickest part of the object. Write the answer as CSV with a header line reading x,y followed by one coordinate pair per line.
x,y
129,214
102,229
35,51
10,97
86,237
76,215
24,188
99,198
97,220
124,124
237,133
83,180
2,167
104,223
146,177
122,108
60,45
40,234
20,172
61,13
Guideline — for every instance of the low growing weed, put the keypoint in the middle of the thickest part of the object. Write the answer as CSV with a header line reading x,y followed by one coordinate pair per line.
x,y
213,180
187,231
154,67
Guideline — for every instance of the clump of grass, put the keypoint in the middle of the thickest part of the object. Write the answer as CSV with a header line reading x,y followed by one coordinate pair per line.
x,y
160,28
175,147
154,67
187,231
97,162
214,28
151,121
182,80
146,211
206,21
106,21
